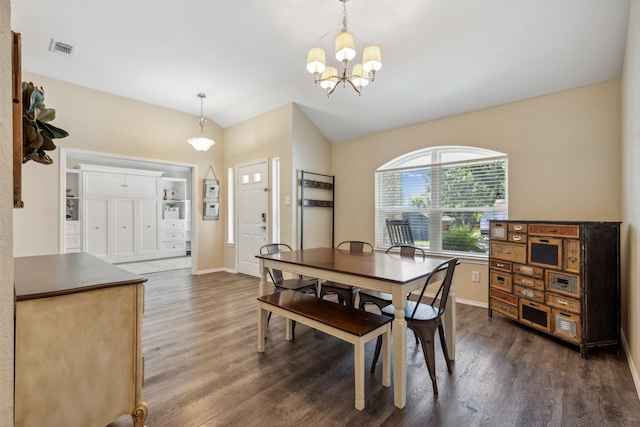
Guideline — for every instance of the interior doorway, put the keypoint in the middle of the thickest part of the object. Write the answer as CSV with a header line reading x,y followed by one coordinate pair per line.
x,y
173,172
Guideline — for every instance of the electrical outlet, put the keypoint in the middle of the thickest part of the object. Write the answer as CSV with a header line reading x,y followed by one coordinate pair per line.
x,y
475,276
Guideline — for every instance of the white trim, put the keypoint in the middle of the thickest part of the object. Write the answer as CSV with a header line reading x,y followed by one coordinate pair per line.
x,y
632,366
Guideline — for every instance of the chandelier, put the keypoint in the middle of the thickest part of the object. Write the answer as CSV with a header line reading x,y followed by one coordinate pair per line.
x,y
361,73
201,143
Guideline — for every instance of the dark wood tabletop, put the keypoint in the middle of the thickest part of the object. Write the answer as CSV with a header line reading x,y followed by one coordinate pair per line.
x,y
52,275
374,265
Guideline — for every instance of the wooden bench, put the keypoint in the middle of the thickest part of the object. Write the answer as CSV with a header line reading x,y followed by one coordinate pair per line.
x,y
347,323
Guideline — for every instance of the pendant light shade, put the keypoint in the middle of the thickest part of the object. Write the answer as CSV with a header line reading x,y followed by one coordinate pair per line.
x,y
201,143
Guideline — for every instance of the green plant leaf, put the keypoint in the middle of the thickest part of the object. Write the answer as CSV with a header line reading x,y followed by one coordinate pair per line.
x,y
47,115
51,131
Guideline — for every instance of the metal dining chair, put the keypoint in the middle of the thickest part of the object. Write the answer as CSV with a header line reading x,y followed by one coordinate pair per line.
x,y
383,299
425,319
298,284
345,293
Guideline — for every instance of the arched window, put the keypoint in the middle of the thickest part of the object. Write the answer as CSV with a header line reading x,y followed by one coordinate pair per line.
x,y
447,194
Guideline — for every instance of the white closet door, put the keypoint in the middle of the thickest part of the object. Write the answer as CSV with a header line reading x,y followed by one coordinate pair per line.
x,y
96,214
124,228
148,214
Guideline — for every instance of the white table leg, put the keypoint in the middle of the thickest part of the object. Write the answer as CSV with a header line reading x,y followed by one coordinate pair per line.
x,y
450,324
263,289
399,332
262,327
358,364
386,357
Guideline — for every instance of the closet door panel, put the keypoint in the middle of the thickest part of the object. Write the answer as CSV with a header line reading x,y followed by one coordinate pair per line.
x,y
124,227
148,214
96,213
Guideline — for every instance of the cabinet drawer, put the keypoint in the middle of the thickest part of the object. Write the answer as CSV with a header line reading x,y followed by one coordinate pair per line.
x,y
566,284
72,242
555,230
529,270
72,227
517,227
517,237
174,247
529,293
506,309
500,280
572,255
173,236
171,225
566,325
563,302
528,282
498,231
509,251
505,297
500,265
535,315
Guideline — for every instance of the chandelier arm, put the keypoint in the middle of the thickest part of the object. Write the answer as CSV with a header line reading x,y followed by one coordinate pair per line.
x,y
332,89
354,87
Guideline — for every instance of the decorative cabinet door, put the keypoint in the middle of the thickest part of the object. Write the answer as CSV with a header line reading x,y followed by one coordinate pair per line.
x,y
96,234
124,237
149,225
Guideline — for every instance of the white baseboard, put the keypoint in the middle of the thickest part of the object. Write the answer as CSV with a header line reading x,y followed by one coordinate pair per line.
x,y
632,367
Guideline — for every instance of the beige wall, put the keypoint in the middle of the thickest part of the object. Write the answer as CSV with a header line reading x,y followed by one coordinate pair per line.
x,y
104,123
263,137
6,221
564,162
631,191
311,153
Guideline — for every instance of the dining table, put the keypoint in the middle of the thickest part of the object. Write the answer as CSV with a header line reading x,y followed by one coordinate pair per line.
x,y
376,271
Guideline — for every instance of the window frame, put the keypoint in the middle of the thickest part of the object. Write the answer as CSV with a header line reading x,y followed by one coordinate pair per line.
x,y
431,159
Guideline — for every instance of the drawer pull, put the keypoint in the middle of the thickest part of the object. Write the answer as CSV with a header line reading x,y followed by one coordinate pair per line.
x,y
562,302
517,227
516,238
499,265
528,282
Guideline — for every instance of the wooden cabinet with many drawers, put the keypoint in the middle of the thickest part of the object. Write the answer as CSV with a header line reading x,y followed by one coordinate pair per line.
x,y
562,278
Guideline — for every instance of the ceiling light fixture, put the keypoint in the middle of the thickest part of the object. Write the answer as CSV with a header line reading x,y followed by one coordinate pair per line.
x,y
201,143
361,73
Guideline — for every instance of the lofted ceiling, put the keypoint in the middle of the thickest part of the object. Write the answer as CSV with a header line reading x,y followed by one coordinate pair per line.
x,y
440,57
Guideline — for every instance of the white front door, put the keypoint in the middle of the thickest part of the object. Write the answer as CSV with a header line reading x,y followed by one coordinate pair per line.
x,y
252,189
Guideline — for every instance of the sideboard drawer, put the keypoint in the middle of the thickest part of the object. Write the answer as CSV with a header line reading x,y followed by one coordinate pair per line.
x,y
509,251
500,280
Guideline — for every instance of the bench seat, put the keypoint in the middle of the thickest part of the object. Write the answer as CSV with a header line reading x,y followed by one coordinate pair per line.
x,y
349,324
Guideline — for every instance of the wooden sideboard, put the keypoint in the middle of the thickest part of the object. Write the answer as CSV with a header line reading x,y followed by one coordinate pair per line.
x,y
562,278
78,342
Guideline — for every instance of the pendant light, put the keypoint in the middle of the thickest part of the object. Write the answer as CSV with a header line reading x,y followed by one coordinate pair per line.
x,y
201,143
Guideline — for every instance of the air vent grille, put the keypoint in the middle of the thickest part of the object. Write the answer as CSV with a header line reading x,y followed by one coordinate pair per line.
x,y
61,48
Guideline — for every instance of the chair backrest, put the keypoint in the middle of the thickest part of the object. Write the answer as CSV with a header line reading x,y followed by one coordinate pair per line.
x,y
399,232
275,248
408,251
442,272
356,246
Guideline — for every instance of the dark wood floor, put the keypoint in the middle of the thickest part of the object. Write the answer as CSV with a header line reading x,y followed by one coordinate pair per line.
x,y
202,369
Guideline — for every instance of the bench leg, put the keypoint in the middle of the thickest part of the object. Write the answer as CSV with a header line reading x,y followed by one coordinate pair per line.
x,y
386,357
358,354
262,327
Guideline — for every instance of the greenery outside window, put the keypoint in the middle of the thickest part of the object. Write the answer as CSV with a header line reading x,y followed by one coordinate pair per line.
x,y
448,194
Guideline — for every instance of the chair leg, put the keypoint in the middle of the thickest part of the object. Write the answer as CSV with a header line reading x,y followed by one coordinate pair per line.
x,y
376,354
443,344
429,357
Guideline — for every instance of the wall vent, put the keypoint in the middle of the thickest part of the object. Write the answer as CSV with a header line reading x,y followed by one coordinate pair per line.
x,y
61,48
